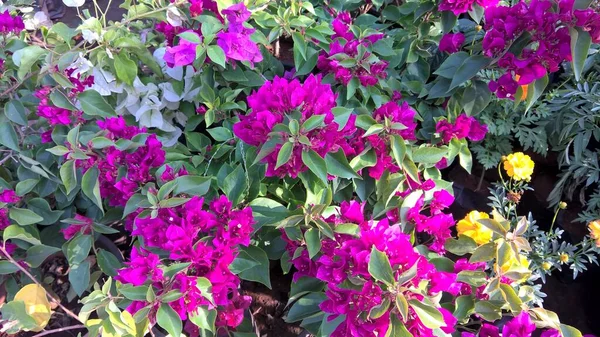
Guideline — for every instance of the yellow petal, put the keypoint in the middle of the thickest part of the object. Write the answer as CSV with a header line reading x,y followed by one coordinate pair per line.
x,y
36,304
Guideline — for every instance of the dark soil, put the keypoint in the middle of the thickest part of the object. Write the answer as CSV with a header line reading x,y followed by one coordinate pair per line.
x,y
268,305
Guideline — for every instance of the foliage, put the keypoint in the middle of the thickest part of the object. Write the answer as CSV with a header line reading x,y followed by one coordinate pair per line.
x,y
177,128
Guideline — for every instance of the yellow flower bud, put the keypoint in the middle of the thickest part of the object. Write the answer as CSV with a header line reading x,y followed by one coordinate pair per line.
x,y
562,205
478,28
546,265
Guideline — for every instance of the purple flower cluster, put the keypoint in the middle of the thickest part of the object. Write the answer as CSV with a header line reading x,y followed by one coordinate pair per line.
x,y
345,260
182,54
462,6
271,105
451,42
10,24
8,197
548,25
111,162
60,116
345,45
81,224
464,127
208,239
235,41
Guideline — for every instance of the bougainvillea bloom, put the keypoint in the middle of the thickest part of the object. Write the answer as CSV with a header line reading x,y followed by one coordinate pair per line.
x,y
519,166
462,6
235,41
183,54
520,326
469,226
10,24
277,99
464,127
451,42
9,196
81,224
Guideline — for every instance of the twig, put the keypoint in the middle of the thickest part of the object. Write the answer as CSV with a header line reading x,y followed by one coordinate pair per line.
x,y
47,332
26,272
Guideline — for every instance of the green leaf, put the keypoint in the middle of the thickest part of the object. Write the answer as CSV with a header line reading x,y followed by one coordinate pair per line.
x,y
313,242
60,100
168,319
313,122
79,248
373,130
397,328
315,164
428,155
461,246
42,208
68,175
449,67
24,217
243,262
465,158
483,253
398,149
488,310
337,165
6,267
476,98
217,55
25,59
220,134
15,112
305,307
8,136
477,13
36,255
494,225
448,21
299,44
79,277
580,46
380,268
94,105
465,305
569,331
284,155
261,272
535,90
476,278
25,186
91,187
107,262
430,317
126,68
341,116
235,185
134,293
15,311
192,185
470,67
204,318
511,297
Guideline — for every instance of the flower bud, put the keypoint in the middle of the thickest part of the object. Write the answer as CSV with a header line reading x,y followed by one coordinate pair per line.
x,y
478,28
562,205
546,265
563,257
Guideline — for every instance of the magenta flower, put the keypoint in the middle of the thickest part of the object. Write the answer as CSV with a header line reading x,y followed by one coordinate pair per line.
x,y
239,47
142,266
505,87
9,197
520,326
451,42
4,221
10,24
81,225
237,13
463,127
183,54
589,20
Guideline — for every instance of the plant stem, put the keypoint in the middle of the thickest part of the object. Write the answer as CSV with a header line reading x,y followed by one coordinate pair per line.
x,y
28,274
554,220
48,332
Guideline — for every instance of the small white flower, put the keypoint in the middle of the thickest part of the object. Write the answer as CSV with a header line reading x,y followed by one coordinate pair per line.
x,y
39,19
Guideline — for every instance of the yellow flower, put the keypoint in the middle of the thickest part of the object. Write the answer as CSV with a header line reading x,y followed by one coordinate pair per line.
x,y
563,257
471,228
519,166
36,304
546,265
594,228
